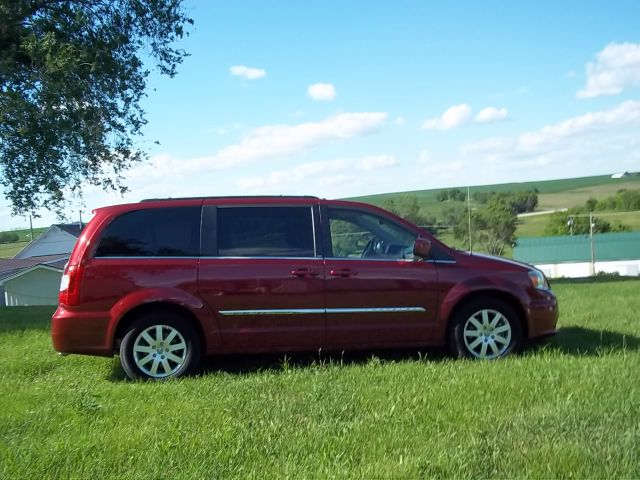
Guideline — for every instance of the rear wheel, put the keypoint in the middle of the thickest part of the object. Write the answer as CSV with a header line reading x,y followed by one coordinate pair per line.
x,y
158,346
486,329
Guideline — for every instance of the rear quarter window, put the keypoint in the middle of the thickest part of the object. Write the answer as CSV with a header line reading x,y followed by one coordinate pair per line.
x,y
158,232
265,231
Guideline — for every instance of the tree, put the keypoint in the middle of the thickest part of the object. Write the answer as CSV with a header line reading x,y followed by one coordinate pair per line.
x,y
72,76
575,221
493,227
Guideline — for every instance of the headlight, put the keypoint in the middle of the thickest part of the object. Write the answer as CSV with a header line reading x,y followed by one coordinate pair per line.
x,y
538,280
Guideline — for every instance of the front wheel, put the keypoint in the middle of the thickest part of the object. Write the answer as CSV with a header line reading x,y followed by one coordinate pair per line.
x,y
485,329
158,346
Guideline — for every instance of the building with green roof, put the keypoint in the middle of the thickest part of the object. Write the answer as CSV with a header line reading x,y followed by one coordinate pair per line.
x,y
570,256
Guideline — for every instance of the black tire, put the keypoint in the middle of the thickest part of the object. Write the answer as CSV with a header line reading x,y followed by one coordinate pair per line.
x,y
139,355
480,339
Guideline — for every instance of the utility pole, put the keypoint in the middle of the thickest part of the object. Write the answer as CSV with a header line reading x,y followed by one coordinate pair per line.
x,y
469,209
80,213
593,252
31,227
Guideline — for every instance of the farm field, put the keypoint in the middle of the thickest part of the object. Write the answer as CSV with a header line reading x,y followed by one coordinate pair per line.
x,y
567,409
553,194
8,250
534,225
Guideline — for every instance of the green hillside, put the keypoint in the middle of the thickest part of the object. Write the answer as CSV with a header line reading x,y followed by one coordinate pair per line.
x,y
8,250
553,194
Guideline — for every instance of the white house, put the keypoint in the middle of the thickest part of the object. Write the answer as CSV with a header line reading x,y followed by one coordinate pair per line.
x,y
56,240
32,281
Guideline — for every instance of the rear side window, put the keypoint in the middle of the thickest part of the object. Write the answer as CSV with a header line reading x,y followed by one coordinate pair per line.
x,y
156,232
265,232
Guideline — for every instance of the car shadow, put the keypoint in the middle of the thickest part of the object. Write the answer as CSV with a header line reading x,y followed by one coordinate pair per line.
x,y
246,364
586,341
576,341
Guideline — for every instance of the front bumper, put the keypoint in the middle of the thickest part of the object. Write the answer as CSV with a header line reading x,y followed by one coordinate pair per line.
x,y
543,316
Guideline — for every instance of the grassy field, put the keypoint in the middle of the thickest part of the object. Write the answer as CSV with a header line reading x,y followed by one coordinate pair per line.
x,y
534,226
568,409
8,250
554,194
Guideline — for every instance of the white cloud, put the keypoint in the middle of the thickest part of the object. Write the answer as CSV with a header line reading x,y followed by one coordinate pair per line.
x,y
491,114
268,141
563,135
328,172
282,140
425,156
375,162
248,73
616,68
444,170
453,117
399,120
321,91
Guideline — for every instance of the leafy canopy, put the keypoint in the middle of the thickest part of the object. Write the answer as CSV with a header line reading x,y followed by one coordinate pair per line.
x,y
72,77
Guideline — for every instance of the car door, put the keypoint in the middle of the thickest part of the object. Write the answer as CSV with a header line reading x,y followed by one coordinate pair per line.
x,y
261,270
377,294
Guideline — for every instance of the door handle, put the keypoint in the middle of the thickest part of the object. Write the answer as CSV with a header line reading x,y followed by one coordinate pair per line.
x,y
304,272
342,272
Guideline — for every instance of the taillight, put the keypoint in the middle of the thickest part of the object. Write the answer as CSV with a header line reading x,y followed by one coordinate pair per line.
x,y
70,285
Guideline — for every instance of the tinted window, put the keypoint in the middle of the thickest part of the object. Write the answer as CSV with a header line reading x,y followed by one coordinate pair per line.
x,y
157,232
265,232
357,234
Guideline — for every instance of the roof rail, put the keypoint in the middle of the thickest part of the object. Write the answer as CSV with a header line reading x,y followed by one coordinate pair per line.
x,y
226,196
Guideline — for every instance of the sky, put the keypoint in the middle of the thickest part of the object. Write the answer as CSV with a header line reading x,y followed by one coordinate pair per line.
x,y
340,99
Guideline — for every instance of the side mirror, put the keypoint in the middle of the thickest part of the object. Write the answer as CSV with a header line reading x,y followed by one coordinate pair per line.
x,y
421,247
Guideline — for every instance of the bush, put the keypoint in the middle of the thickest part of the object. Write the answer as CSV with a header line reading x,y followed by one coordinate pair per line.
x,y
9,237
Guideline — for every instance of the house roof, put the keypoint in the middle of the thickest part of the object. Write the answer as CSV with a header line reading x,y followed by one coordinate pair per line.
x,y
11,266
577,248
19,273
71,228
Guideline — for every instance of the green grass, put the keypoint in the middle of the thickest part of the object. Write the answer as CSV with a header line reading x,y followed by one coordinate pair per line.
x,y
568,409
8,250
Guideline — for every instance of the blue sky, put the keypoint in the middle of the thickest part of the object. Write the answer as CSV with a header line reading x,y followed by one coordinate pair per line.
x,y
338,98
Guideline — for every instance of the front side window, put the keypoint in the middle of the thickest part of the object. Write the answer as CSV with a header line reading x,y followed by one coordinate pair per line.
x,y
358,234
154,232
265,232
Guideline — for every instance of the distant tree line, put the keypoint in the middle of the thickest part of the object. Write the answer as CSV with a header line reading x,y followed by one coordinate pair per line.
x,y
519,202
9,237
575,221
493,221
623,201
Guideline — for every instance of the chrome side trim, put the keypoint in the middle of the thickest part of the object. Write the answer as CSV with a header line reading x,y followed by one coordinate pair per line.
x,y
150,257
230,257
277,311
316,311
376,310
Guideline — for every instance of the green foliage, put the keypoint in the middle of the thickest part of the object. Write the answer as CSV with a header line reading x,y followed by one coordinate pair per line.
x,y
493,226
453,194
566,410
71,80
518,202
9,237
575,221
623,201
408,207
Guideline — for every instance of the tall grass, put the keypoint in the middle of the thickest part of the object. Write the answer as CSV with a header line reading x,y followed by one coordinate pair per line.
x,y
567,409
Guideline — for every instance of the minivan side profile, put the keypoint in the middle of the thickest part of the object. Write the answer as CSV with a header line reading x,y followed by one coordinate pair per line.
x,y
164,282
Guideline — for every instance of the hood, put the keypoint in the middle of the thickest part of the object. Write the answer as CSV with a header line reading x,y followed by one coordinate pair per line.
x,y
498,259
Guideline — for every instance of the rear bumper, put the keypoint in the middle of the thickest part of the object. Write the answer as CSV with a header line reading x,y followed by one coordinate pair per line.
x,y
80,332
543,316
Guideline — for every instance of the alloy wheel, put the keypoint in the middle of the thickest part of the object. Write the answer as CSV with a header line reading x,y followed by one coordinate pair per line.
x,y
487,334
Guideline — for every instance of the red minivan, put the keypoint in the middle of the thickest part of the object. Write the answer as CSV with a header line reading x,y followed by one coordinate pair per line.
x,y
164,282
